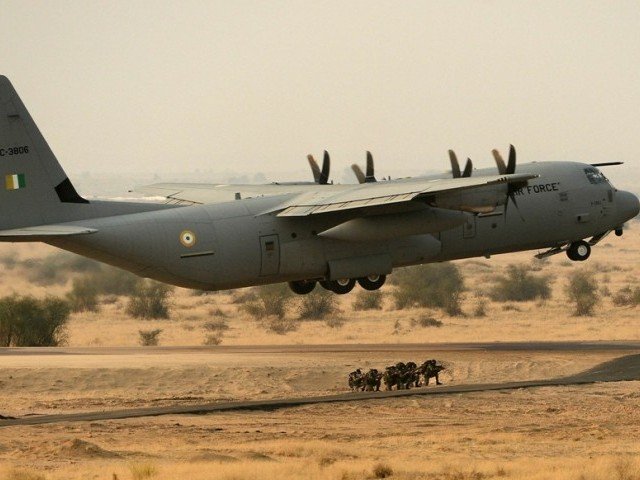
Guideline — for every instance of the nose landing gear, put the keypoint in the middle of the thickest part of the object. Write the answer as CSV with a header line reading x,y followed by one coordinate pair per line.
x,y
579,251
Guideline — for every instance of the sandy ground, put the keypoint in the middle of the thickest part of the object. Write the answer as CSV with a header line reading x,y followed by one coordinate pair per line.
x,y
574,432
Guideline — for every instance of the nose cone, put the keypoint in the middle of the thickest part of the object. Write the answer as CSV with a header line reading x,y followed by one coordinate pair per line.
x,y
628,206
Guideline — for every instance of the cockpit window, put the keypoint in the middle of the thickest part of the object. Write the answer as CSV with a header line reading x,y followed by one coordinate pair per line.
x,y
594,175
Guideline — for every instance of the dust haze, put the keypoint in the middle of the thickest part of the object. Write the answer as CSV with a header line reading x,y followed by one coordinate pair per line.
x,y
219,90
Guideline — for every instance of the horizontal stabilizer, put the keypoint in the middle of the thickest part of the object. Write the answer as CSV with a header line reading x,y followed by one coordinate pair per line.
x,y
43,232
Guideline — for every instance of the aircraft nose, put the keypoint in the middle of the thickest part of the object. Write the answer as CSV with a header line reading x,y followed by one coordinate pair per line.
x,y
628,205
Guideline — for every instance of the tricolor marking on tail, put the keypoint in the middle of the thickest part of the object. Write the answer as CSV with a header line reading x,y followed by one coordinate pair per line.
x,y
15,181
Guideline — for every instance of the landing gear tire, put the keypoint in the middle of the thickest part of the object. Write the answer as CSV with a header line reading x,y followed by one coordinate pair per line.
x,y
579,251
302,287
341,286
372,282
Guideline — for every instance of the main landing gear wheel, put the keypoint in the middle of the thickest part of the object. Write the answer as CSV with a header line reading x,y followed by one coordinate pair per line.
x,y
341,286
579,251
372,282
302,287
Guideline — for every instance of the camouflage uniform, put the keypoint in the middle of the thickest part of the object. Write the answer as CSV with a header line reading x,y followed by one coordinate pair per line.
x,y
356,380
431,369
372,380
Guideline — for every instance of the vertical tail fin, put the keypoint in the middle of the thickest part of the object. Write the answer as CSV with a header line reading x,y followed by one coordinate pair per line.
x,y
33,185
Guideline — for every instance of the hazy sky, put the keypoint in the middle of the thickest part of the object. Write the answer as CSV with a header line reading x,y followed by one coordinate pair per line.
x,y
145,86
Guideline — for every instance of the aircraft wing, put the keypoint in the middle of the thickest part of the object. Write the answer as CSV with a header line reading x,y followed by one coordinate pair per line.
x,y
203,193
472,194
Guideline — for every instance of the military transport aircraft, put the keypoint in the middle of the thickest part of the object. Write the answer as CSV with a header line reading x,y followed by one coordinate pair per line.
x,y
215,237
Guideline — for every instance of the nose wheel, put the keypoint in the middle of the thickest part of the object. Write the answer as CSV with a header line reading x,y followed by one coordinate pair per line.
x,y
579,251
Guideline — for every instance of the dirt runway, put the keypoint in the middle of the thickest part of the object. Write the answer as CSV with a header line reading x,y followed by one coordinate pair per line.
x,y
624,368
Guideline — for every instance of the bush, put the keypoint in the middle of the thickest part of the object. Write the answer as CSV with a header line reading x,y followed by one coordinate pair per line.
x,y
426,321
627,296
437,285
282,326
150,300
216,326
519,285
142,471
149,338
382,470
29,322
366,300
212,339
583,291
269,300
480,310
317,305
83,296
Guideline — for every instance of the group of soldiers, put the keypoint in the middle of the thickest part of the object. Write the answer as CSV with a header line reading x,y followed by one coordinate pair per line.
x,y
401,375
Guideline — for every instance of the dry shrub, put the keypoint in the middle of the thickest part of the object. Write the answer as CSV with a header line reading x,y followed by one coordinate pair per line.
x,y
30,322
519,285
150,300
366,300
216,326
142,471
334,322
426,321
627,296
582,290
480,309
149,338
511,308
21,474
244,295
437,285
212,339
317,305
83,296
282,326
382,470
271,300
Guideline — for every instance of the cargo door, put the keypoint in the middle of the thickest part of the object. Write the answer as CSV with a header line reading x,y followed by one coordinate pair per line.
x,y
270,254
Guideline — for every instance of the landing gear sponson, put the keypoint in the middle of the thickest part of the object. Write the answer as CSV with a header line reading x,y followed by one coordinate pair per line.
x,y
340,286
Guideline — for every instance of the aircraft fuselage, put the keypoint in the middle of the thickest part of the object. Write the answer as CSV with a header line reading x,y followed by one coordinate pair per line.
x,y
233,244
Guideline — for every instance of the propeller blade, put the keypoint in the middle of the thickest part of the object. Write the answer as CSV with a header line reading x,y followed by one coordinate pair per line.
x,y
512,196
511,165
502,167
326,168
359,173
370,176
315,169
468,168
455,166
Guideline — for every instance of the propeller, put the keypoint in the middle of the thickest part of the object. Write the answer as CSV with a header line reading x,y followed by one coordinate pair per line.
x,y
503,168
506,169
320,176
455,166
369,177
